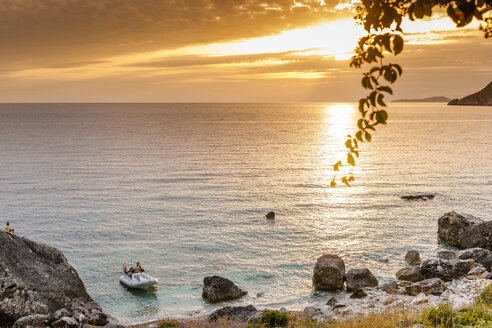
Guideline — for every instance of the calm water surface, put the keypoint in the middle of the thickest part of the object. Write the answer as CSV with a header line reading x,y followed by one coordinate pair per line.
x,y
184,189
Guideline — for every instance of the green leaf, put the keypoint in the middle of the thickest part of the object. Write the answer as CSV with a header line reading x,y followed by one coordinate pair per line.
x,y
358,135
333,183
372,98
386,42
350,159
398,68
368,136
385,89
362,103
336,167
348,144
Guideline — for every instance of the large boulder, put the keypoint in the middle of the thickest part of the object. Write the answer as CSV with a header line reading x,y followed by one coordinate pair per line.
x,y
360,278
446,270
434,286
329,273
33,320
217,289
37,279
64,322
465,231
409,274
236,313
412,257
480,256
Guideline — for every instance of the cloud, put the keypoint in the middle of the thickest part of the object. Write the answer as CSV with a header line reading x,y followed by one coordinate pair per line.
x,y
54,32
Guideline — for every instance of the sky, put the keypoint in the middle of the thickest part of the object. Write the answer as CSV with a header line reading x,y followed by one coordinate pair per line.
x,y
218,51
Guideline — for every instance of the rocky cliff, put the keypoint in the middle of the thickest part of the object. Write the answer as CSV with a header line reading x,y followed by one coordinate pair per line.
x,y
37,279
480,98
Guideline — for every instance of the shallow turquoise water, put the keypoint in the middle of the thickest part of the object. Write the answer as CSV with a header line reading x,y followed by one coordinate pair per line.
x,y
184,189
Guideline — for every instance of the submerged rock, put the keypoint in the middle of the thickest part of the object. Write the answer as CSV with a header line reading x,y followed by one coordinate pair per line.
x,y
409,274
359,293
37,279
465,231
217,289
446,270
418,197
359,278
412,257
270,215
434,286
329,273
238,313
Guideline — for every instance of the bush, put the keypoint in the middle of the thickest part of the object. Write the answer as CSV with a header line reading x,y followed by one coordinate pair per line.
x,y
168,324
272,319
443,316
486,296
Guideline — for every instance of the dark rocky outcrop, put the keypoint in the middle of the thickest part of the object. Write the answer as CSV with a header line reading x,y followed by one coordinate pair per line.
x,y
480,256
236,313
434,286
480,98
465,231
409,274
412,257
446,270
329,273
217,289
270,215
418,197
429,99
36,279
359,278
446,255
391,287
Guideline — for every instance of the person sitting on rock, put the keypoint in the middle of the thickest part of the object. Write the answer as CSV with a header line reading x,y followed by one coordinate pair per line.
x,y
82,319
9,230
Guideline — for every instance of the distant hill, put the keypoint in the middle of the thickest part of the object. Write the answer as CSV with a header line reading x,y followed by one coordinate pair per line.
x,y
430,99
480,98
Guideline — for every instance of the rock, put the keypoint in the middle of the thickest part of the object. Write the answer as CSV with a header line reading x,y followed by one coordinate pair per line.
x,y
37,279
385,260
412,257
270,215
359,293
359,278
486,275
476,271
479,256
218,289
418,197
113,324
332,301
409,274
446,270
320,318
66,322
480,98
311,311
96,317
446,255
237,313
61,313
390,287
465,231
33,320
329,273
434,286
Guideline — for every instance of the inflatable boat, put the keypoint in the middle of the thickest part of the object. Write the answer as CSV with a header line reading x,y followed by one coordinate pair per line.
x,y
138,280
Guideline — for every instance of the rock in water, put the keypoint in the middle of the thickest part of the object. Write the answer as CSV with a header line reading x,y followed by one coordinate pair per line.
x,y
270,215
359,278
359,293
434,286
465,231
329,272
409,274
480,98
412,257
37,279
237,313
218,289
418,197
446,270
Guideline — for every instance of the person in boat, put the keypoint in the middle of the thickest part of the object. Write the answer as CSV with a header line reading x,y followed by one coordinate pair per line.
x,y
138,268
9,230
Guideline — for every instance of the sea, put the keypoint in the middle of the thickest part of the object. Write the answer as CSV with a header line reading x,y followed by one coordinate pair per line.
x,y
184,189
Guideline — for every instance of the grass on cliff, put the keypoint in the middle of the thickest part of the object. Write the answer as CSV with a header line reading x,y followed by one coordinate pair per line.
x,y
478,315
